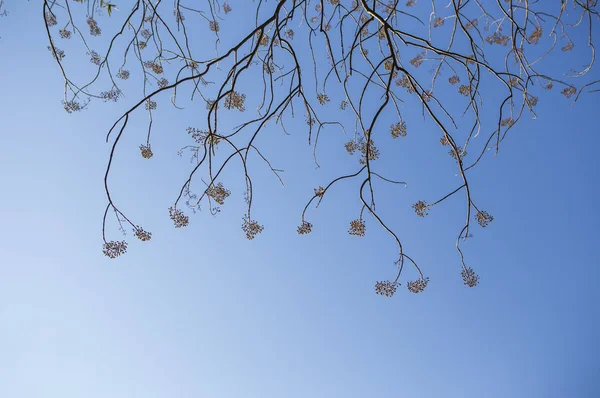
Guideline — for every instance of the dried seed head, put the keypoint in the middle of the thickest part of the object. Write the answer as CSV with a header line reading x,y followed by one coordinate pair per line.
x,y
226,8
72,106
218,193
418,286
437,22
386,288
155,66
444,141
213,26
465,90
94,28
179,219
123,74
319,191
114,249
251,227
112,95
417,61
305,228
162,83
323,98
57,53
351,147
454,79
535,37
508,122
64,33
146,151
421,208
373,152
95,58
235,100
398,129
150,105
568,47
142,235
458,153
470,278
569,91
50,18
357,227
483,218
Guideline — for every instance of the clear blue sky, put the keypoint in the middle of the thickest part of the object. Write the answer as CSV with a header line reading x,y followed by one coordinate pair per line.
x,y
202,312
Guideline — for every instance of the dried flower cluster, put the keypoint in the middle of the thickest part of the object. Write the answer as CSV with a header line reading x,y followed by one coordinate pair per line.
x,y
146,34
405,82
465,90
57,53
535,37
319,191
150,105
417,61
507,122
421,208
470,278
72,106
417,286
437,22
95,58
114,249
50,18
373,152
531,100
322,98
263,39
146,151
201,136
305,228
213,26
142,235
251,227
179,17
569,91
386,288
457,153
123,74
179,219
357,227
235,100
483,218
218,193
94,28
111,95
226,8
398,129
568,47
454,79
64,33
162,83
155,66
444,141
497,38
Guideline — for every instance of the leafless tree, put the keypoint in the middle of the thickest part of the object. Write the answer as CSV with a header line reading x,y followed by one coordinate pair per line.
x,y
452,58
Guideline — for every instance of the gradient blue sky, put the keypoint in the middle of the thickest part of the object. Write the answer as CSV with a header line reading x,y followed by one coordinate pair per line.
x,y
202,312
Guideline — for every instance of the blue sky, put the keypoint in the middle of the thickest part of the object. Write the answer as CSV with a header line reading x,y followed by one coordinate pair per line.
x,y
202,312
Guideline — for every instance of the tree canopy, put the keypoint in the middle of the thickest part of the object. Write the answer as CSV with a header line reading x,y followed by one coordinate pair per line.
x,y
361,69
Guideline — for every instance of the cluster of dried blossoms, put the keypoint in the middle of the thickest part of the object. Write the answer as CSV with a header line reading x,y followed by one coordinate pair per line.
x,y
470,278
226,8
417,286
457,153
218,193
386,288
154,66
50,18
483,218
114,249
398,129
444,141
465,90
235,100
213,26
323,98
112,95
421,208
64,33
179,219
263,39
94,28
95,58
454,80
357,227
150,105
569,91
507,122
437,22
72,106
202,136
305,228
251,227
319,191
142,235
498,38
162,83
417,61
146,34
146,151
536,35
56,53
405,82
369,151
123,74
